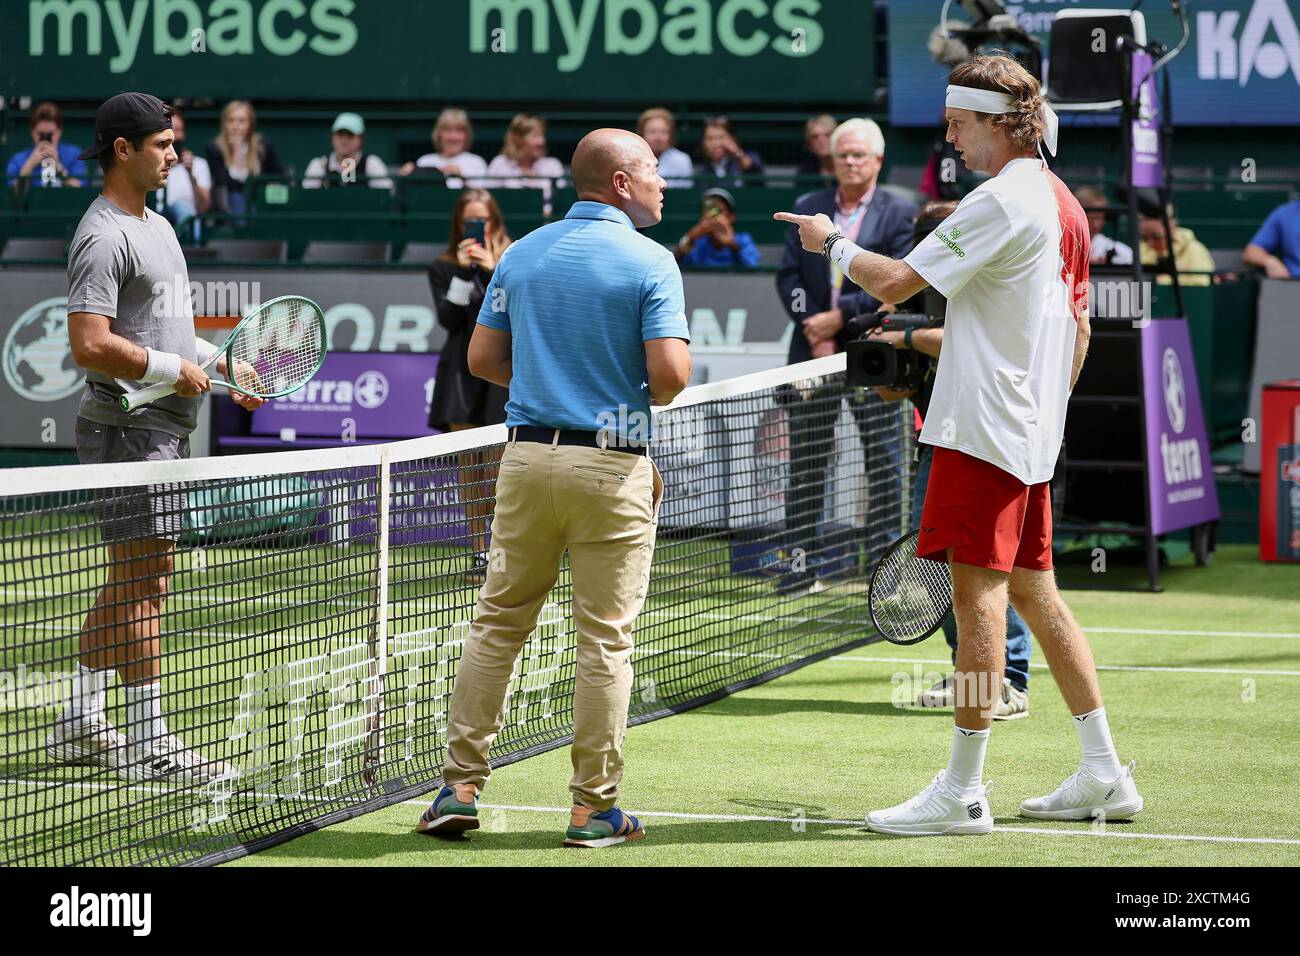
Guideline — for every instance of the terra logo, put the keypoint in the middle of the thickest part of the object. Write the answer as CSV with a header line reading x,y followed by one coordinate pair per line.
x,y
371,389
1171,377
37,356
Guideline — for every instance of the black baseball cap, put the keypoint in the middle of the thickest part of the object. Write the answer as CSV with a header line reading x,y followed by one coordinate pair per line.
x,y
717,192
129,115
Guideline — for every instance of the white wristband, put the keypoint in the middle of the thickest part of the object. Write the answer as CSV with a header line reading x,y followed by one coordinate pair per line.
x,y
204,350
843,252
162,367
458,292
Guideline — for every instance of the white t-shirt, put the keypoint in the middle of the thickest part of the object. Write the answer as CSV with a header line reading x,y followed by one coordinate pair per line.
x,y
180,185
1012,261
1104,246
676,168
471,166
376,171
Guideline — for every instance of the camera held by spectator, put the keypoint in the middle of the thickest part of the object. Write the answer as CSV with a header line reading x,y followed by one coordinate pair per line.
x,y
872,363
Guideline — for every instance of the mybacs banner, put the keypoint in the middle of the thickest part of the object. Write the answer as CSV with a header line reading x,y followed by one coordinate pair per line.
x,y
540,51
1241,65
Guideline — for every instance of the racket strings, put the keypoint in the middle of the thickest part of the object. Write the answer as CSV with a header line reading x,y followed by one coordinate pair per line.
x,y
910,596
278,348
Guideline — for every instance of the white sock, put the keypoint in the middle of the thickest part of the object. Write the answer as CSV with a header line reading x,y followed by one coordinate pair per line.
x,y
1098,749
89,690
965,774
144,707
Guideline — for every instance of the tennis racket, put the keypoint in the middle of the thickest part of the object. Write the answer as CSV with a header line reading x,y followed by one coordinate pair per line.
x,y
274,351
909,596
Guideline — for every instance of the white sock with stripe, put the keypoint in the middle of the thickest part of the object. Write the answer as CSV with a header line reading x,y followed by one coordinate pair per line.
x,y
89,690
1098,749
144,707
965,773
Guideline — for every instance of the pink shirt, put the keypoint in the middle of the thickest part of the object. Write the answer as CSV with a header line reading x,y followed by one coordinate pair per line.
x,y
848,223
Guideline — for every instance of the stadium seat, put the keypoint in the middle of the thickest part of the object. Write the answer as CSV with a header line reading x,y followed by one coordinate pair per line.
x,y
319,250
770,253
34,249
58,202
905,175
250,250
1226,218
421,253
352,201
52,211
427,196
914,196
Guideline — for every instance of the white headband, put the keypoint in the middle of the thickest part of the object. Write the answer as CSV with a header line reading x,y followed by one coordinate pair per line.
x,y
989,101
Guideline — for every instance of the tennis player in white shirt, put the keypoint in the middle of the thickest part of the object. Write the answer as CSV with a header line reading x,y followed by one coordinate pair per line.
x,y
1012,261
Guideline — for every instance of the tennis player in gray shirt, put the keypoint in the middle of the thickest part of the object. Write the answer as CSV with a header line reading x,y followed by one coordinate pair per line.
x,y
128,326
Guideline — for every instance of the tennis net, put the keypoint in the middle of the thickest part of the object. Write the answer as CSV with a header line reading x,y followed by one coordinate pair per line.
x,y
318,601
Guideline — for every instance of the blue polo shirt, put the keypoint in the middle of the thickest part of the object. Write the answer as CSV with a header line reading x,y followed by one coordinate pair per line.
x,y
76,168
1280,236
580,298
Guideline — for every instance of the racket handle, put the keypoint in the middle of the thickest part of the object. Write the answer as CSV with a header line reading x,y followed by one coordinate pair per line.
x,y
133,400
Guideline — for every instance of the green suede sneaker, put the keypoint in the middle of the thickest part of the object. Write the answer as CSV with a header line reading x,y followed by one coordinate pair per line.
x,y
591,829
452,812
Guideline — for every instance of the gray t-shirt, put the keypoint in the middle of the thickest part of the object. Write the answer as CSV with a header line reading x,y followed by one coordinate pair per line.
x,y
133,271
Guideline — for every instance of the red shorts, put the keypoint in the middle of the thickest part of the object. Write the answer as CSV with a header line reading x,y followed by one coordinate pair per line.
x,y
987,516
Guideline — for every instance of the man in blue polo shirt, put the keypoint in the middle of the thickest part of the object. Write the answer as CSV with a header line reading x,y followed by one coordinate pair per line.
x,y
584,321
1276,247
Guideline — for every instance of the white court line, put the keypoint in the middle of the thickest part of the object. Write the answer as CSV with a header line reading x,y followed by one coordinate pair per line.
x,y
1036,831
675,611
1155,632
1100,667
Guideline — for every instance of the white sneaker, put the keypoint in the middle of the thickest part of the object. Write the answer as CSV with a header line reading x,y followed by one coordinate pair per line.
x,y
935,811
89,740
1085,797
942,694
1013,704
167,758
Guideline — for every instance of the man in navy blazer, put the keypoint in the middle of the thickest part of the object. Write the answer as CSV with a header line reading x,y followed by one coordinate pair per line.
x,y
820,302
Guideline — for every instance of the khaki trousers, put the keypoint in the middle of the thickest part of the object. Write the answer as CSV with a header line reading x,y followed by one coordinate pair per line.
x,y
601,505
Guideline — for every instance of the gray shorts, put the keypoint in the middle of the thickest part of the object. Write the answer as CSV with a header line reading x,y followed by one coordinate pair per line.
x,y
144,511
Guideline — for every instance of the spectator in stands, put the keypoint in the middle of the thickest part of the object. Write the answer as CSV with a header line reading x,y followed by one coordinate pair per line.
x,y
820,301
238,153
725,161
1194,262
49,161
817,143
453,135
1105,250
522,162
188,192
458,279
348,164
1276,247
713,241
658,127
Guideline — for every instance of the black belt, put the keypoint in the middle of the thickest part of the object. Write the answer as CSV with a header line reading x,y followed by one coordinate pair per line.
x,y
574,436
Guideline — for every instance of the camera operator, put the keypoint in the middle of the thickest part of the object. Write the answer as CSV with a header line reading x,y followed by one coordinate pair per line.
x,y
1014,701
820,298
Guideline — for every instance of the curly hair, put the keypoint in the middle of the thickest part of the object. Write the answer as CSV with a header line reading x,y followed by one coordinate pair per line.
x,y
1000,73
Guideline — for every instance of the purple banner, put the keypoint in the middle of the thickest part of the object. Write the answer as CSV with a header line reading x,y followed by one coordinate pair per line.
x,y
426,505
1148,167
1181,487
383,394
